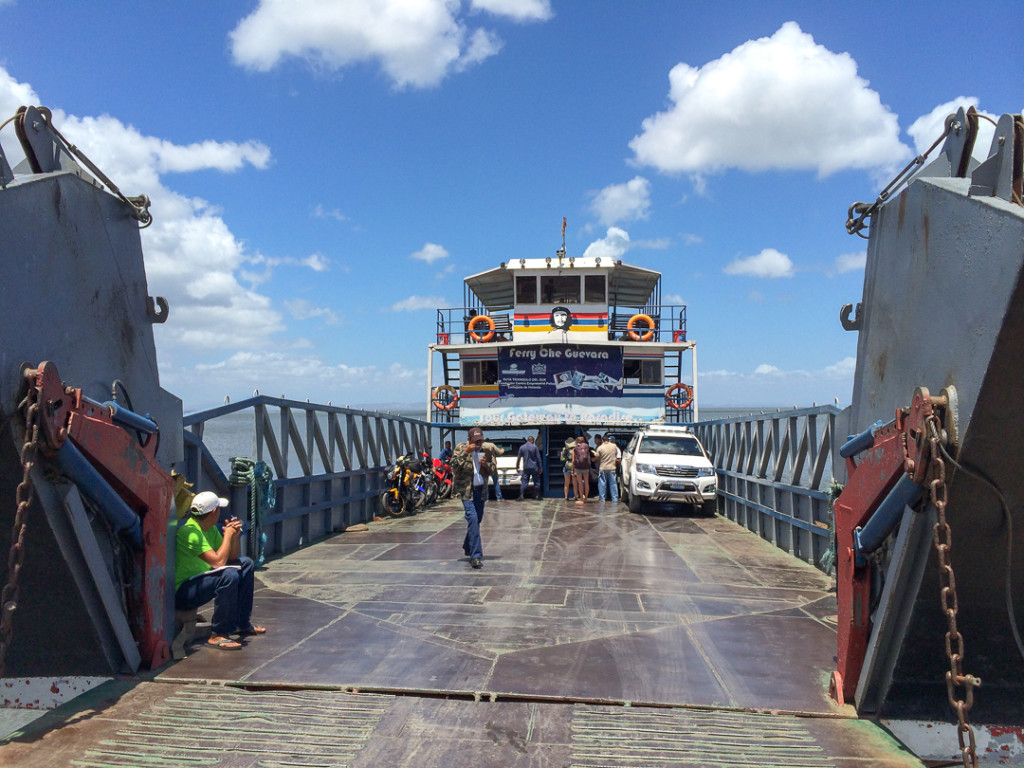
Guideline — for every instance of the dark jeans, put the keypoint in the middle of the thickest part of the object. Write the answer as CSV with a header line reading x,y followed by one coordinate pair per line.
x,y
231,591
474,509
527,474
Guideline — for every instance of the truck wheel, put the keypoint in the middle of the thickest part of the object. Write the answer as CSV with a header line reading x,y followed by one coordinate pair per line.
x,y
709,508
635,503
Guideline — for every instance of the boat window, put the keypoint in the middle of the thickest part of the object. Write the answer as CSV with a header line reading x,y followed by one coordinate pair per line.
x,y
560,289
477,372
593,289
526,289
637,371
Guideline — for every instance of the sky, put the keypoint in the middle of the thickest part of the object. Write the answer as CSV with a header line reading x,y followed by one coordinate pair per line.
x,y
323,175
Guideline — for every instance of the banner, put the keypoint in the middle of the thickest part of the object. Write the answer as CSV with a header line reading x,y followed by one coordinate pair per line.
x,y
560,371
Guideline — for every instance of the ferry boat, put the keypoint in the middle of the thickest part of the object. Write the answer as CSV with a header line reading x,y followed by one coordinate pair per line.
x,y
593,638
562,345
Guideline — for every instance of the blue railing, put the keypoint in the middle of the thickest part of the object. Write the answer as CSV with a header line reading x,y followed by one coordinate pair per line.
x,y
328,462
775,474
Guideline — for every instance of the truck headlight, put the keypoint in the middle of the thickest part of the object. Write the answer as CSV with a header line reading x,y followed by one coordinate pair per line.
x,y
705,471
647,469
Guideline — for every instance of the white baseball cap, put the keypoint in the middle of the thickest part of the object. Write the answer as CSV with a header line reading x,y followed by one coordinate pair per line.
x,y
204,503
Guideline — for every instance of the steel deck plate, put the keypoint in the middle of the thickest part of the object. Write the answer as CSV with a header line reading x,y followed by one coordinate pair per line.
x,y
590,637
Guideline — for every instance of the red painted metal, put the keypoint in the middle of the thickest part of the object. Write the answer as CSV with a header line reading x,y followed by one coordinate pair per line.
x,y
871,478
131,469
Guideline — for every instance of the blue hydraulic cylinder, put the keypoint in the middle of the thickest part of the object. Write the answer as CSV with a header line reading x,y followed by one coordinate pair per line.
x,y
130,420
861,442
91,483
869,538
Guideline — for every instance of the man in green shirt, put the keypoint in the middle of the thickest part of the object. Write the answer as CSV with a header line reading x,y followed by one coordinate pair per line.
x,y
208,567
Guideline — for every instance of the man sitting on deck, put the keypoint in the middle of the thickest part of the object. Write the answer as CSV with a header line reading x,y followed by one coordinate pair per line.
x,y
208,567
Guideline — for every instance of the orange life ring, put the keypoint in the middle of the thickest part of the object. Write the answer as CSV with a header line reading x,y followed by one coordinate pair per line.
x,y
453,398
671,400
646,335
490,326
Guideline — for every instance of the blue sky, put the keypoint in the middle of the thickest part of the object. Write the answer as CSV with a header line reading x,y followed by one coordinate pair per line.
x,y
324,174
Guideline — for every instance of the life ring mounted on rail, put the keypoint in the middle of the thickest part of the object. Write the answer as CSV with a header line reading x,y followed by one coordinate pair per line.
x,y
670,396
442,405
635,335
481,337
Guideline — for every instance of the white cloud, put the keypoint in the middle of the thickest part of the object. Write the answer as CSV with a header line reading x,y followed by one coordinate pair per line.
x,y
721,388
414,303
517,10
416,43
319,212
779,102
301,309
768,263
673,298
316,262
927,128
430,253
851,262
273,373
623,202
612,246
691,239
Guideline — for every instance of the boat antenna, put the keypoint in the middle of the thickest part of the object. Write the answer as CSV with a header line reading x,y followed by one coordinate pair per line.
x,y
561,252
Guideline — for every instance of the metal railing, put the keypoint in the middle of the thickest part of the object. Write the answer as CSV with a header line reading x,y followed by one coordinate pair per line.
x,y
328,462
774,473
669,323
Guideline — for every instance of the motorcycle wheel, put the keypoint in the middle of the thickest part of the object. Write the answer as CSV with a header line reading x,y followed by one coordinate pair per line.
x,y
445,491
392,503
431,491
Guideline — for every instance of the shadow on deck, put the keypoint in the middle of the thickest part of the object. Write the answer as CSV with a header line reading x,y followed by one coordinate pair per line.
x,y
382,643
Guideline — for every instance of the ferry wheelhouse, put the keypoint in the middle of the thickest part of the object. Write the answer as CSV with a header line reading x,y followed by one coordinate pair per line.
x,y
562,346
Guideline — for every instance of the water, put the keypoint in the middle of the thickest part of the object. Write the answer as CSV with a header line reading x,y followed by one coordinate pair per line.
x,y
233,435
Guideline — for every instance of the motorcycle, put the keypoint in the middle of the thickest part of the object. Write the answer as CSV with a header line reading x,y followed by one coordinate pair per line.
x,y
443,478
406,490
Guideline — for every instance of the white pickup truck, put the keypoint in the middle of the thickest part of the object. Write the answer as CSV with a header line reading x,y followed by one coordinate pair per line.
x,y
667,463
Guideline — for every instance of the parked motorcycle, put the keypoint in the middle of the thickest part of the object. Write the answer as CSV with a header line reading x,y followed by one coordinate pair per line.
x,y
406,490
443,479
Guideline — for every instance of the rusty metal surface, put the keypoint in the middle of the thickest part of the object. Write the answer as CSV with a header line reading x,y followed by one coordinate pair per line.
x,y
720,644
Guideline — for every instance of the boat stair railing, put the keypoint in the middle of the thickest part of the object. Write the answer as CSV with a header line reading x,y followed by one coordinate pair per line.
x,y
453,325
775,476
328,462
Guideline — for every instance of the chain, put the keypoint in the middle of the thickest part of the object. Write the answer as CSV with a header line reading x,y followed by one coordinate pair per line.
x,y
947,592
16,553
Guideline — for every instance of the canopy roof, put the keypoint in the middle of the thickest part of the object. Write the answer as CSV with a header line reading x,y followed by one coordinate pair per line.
x,y
628,286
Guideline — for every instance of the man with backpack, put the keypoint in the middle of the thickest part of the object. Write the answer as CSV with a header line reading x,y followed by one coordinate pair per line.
x,y
581,469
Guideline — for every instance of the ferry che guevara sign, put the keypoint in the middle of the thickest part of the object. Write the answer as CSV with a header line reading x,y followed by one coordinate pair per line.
x,y
559,371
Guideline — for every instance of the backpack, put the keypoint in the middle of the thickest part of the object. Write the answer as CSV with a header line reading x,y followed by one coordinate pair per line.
x,y
581,456
566,456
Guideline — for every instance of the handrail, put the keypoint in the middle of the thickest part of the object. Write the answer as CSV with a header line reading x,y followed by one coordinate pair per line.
x,y
775,475
328,461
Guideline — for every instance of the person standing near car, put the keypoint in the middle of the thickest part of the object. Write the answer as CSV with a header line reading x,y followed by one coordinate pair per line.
x,y
581,469
606,485
472,463
566,458
529,458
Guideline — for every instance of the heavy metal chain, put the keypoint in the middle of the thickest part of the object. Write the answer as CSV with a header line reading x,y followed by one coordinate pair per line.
x,y
955,678
23,496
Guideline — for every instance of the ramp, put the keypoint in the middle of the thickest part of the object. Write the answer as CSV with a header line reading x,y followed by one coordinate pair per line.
x,y
591,637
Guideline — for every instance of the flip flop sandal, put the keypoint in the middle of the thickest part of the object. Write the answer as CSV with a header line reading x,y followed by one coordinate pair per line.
x,y
225,644
251,630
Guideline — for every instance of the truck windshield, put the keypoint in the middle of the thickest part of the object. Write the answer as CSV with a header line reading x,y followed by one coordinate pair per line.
x,y
673,446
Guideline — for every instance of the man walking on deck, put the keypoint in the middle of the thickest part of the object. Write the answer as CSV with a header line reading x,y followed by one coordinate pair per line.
x,y
529,458
606,453
472,464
